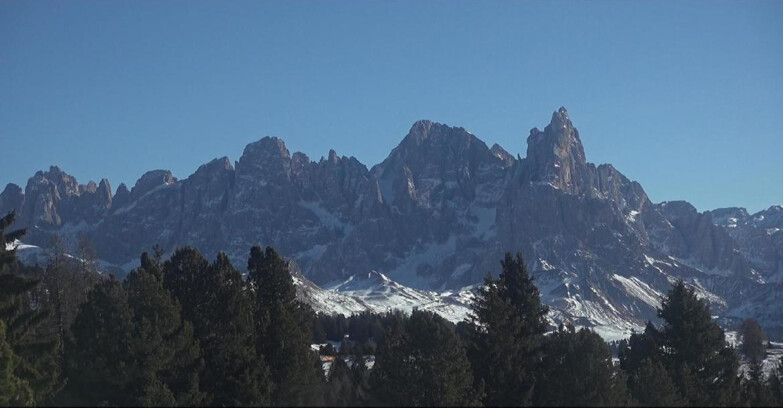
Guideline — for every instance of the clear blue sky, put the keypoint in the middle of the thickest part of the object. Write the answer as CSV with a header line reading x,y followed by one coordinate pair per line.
x,y
684,97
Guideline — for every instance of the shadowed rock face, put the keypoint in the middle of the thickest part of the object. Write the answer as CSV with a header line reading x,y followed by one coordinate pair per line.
x,y
437,213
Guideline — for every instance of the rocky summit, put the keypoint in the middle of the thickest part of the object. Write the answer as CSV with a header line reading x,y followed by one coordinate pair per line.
x,y
436,216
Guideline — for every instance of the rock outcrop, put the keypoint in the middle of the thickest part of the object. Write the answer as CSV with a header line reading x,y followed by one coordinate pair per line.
x,y
437,214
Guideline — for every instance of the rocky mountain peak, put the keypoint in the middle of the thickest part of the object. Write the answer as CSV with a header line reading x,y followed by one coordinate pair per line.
x,y
502,154
419,132
267,158
428,134
333,158
11,198
556,156
269,147
151,180
121,196
103,196
214,167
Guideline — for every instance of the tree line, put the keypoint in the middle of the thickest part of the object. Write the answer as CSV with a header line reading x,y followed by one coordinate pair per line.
x,y
186,331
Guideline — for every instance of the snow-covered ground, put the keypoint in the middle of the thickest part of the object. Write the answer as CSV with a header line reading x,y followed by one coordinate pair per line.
x,y
375,292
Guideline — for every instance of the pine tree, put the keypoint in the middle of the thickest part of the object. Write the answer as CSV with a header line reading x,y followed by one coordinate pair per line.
x,y
220,306
704,367
752,338
341,388
14,391
755,390
577,370
65,284
505,335
284,327
775,383
692,350
649,382
101,357
168,356
422,363
651,385
28,327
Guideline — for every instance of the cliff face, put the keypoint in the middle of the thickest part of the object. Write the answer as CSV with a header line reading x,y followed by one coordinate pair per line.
x,y
437,213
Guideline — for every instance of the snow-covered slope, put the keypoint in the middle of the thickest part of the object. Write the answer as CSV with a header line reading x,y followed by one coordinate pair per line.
x,y
374,292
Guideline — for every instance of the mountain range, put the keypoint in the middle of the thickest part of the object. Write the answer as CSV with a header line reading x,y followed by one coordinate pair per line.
x,y
430,222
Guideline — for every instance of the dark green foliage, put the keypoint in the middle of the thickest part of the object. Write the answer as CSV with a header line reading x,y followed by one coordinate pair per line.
x,y
217,301
284,331
755,390
752,340
705,369
692,349
422,363
335,326
101,358
652,386
347,386
775,383
505,335
65,285
130,347
28,328
13,390
640,347
168,356
577,370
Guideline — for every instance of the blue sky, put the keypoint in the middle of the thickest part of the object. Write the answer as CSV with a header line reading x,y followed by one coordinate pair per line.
x,y
684,97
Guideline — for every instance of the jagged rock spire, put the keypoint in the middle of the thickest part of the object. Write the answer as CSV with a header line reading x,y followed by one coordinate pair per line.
x,y
556,155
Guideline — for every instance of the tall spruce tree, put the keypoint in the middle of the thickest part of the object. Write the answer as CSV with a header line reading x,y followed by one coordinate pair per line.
x,y
101,357
29,330
752,337
346,385
704,367
692,349
775,383
422,363
168,356
505,335
651,385
756,392
220,306
14,391
284,327
577,370
649,382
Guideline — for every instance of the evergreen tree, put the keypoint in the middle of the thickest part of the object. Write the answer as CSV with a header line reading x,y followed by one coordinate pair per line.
x,y
704,367
65,285
775,384
344,388
101,358
640,347
649,382
752,338
505,335
220,306
14,391
29,331
755,390
692,349
422,363
167,354
651,385
577,370
284,327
